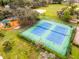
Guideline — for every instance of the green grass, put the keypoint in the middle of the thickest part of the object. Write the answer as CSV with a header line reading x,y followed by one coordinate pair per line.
x,y
51,11
21,49
75,52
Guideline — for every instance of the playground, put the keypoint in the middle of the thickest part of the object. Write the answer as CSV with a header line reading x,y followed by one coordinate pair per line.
x,y
10,24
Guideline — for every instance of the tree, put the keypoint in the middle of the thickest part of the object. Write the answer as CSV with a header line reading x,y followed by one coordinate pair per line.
x,y
4,2
4,13
58,1
69,13
71,2
72,9
26,15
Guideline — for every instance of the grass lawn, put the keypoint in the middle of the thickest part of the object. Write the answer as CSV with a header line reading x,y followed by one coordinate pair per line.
x,y
21,49
51,11
75,52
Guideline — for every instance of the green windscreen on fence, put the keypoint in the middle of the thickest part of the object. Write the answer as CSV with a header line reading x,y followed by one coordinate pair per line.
x,y
51,35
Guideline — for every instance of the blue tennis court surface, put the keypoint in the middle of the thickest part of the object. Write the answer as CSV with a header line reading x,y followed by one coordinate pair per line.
x,y
54,36
61,30
45,25
38,31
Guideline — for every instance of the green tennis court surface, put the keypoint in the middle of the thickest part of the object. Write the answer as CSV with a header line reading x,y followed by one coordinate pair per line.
x,y
53,36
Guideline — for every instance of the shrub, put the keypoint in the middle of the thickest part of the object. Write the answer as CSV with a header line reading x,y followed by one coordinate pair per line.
x,y
66,16
1,34
77,12
68,13
72,9
7,46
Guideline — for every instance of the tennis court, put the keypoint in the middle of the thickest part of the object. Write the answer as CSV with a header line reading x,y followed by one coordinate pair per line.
x,y
54,36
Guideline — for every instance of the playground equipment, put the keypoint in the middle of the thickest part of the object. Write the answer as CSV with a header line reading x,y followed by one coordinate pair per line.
x,y
9,24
